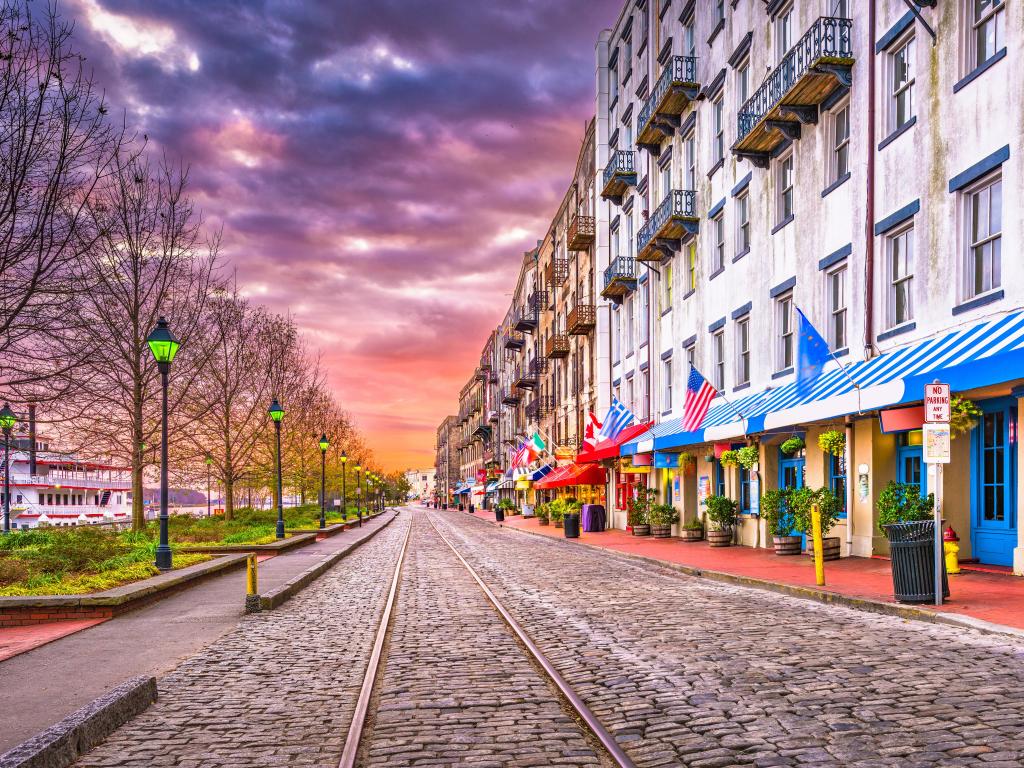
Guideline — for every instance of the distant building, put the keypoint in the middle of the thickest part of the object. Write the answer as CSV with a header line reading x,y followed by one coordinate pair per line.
x,y
421,482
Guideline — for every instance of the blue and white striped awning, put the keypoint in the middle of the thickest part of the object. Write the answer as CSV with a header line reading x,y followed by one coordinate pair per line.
x,y
977,355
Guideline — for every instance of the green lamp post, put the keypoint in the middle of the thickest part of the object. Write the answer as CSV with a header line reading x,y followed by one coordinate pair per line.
x,y
359,493
7,421
276,414
324,445
164,346
344,501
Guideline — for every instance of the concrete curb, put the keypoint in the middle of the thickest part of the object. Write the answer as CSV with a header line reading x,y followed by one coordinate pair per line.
x,y
63,743
280,595
274,547
906,612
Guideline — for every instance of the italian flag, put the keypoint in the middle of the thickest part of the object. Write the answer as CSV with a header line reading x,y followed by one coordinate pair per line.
x,y
536,444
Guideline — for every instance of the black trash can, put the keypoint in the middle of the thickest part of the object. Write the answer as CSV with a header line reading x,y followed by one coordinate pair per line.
x,y
571,525
912,548
499,514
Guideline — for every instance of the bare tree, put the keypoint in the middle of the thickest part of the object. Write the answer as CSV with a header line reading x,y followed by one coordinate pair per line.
x,y
56,146
147,259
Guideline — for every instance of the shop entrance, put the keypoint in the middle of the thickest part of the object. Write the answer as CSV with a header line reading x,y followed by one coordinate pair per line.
x,y
994,483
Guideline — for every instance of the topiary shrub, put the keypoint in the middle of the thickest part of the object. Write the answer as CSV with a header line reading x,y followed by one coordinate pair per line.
x,y
721,511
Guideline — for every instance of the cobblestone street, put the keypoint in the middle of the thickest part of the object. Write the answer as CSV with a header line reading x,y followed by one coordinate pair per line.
x,y
681,671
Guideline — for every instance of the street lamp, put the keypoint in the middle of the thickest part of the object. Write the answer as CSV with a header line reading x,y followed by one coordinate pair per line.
x,y
324,445
359,492
277,413
344,500
7,422
209,463
164,346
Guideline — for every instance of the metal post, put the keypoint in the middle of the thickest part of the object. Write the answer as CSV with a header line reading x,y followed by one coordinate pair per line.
x,y
359,496
323,489
7,480
163,550
208,489
280,496
344,501
939,560
819,555
252,592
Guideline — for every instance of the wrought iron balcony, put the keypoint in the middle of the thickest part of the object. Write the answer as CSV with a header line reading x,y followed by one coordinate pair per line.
x,y
492,377
479,375
557,346
660,116
619,175
513,340
558,270
493,417
528,316
619,278
581,233
819,63
525,377
538,366
673,222
539,407
582,319
481,428
510,396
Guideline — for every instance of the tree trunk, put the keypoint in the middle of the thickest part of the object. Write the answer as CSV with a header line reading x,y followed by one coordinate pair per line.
x,y
138,507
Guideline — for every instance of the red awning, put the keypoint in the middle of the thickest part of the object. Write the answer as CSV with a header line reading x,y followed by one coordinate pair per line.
x,y
902,419
609,449
574,474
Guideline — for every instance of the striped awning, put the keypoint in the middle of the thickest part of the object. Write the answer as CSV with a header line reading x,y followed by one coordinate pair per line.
x,y
976,355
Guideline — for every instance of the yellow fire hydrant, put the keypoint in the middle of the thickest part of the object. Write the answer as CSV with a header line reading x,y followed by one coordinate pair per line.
x,y
951,548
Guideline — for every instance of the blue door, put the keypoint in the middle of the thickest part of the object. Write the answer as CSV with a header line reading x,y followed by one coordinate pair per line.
x,y
791,475
910,461
994,483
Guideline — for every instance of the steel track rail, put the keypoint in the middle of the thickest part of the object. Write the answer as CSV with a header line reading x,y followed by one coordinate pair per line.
x,y
355,730
586,715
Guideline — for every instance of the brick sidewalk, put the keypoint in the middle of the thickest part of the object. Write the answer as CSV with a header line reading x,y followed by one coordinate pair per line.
x,y
989,597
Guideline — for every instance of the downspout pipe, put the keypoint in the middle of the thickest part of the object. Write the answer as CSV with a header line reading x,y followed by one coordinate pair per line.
x,y
869,213
848,458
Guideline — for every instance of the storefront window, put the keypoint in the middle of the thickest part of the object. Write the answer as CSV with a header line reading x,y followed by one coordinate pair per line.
x,y
837,480
744,491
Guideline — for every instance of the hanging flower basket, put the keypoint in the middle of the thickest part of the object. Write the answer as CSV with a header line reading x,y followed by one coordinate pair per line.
x,y
833,442
792,445
747,456
728,459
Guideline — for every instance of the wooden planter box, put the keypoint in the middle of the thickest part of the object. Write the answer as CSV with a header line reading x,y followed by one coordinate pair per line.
x,y
641,530
787,545
720,538
661,531
559,523
829,546
692,534
543,521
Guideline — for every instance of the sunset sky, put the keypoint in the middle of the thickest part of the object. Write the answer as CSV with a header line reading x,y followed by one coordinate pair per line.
x,y
378,168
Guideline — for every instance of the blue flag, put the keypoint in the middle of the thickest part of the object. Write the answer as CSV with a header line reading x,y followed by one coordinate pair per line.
x,y
811,354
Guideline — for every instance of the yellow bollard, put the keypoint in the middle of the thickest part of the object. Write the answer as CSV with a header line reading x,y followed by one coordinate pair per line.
x,y
252,596
819,555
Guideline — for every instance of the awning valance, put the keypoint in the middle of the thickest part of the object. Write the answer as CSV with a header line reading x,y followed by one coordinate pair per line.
x,y
574,474
609,449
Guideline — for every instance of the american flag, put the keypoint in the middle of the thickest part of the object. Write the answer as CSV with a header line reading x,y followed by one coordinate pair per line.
x,y
619,417
699,394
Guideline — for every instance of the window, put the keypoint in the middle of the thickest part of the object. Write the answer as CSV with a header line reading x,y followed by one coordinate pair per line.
x,y
666,288
784,189
645,394
783,33
901,277
718,246
743,350
719,129
689,39
630,325
691,355
984,237
630,239
742,223
691,268
742,84
666,180
745,491
666,385
839,9
630,401
720,12
613,87
901,100
718,350
839,166
690,157
836,295
645,310
617,337
837,479
986,33
784,323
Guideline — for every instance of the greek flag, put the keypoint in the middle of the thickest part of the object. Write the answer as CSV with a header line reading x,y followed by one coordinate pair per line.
x,y
619,417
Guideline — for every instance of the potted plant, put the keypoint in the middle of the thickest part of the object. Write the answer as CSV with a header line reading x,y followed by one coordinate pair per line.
x,y
640,511
906,519
556,511
693,530
503,506
963,416
662,516
833,442
829,509
571,522
721,513
728,458
776,512
747,457
541,513
793,445
710,458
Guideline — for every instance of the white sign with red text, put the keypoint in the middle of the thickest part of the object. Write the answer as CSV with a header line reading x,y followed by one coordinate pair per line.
x,y
936,403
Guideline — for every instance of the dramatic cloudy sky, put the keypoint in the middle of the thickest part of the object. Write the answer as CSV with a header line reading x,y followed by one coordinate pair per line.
x,y
378,166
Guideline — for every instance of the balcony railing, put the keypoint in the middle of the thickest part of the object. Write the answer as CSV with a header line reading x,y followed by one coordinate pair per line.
x,y
581,233
538,366
557,346
820,61
509,396
524,377
676,88
539,407
619,175
619,278
558,270
673,221
513,340
582,319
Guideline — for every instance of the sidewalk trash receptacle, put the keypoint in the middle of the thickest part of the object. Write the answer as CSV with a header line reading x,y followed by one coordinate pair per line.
x,y
912,549
499,514
572,525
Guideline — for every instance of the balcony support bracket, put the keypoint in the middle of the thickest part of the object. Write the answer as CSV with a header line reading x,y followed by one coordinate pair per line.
x,y
667,247
841,72
806,114
666,124
653,149
788,128
757,159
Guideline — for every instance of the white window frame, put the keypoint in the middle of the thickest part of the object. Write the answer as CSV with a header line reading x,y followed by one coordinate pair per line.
x,y
691,357
645,393
629,325
691,268
742,206
690,158
837,145
718,359
645,310
907,47
838,311
718,243
783,33
785,332
904,236
665,283
782,190
718,129
742,342
981,190
742,84
666,384
993,15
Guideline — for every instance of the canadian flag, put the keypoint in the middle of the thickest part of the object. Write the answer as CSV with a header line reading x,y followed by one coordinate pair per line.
x,y
590,433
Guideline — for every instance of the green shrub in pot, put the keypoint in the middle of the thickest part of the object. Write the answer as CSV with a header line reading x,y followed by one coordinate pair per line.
x,y
663,514
830,507
721,512
775,512
903,503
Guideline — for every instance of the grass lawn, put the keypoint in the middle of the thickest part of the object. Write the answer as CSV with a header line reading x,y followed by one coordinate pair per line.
x,y
248,526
